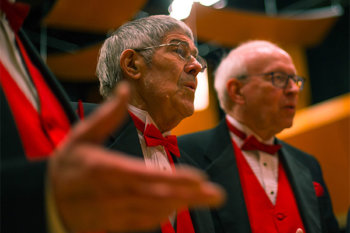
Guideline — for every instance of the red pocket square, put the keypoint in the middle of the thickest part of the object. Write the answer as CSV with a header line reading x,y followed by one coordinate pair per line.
x,y
318,189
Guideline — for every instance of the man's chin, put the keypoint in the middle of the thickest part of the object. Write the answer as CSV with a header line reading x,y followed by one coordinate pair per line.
x,y
287,125
187,111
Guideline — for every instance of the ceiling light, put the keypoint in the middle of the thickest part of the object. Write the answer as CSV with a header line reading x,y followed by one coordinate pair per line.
x,y
180,9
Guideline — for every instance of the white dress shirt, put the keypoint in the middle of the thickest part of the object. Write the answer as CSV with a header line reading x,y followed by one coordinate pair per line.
x,y
264,165
11,59
155,156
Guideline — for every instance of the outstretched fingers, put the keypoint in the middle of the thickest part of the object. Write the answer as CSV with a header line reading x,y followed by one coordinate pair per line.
x,y
187,186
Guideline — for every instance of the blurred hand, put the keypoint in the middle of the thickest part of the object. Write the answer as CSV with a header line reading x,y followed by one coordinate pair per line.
x,y
100,190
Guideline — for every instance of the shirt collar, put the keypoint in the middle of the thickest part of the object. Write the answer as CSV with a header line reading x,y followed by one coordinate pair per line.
x,y
145,117
245,129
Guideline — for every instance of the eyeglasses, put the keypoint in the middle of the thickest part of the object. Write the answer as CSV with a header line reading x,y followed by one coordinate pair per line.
x,y
184,52
281,80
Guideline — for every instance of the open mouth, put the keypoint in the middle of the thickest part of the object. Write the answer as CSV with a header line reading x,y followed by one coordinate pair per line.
x,y
290,108
191,85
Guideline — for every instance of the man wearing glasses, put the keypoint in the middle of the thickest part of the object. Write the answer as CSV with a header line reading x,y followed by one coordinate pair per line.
x,y
157,56
56,177
271,186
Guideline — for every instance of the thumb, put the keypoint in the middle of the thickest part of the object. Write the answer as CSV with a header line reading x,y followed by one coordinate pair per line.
x,y
104,120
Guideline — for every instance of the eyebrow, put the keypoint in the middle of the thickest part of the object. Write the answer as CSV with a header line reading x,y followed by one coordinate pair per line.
x,y
281,72
178,40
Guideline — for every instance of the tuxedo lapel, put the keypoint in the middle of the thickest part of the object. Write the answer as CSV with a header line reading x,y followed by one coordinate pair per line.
x,y
201,220
10,141
127,140
301,181
223,170
50,79
184,158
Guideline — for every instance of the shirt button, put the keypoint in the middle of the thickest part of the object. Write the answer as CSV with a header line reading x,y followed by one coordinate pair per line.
x,y
265,164
272,192
280,216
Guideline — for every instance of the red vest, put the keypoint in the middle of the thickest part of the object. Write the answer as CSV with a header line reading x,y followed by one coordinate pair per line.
x,y
40,132
264,217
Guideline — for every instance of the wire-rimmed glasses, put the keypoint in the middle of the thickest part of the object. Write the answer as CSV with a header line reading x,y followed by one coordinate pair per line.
x,y
281,80
184,52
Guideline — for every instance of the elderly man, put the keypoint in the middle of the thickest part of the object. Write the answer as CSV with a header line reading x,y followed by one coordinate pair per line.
x,y
157,56
271,186
54,178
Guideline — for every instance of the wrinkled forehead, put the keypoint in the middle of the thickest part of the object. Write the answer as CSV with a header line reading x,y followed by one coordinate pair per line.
x,y
176,36
177,33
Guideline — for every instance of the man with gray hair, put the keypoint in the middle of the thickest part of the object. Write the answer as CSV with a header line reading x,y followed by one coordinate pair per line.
x,y
56,177
157,56
271,186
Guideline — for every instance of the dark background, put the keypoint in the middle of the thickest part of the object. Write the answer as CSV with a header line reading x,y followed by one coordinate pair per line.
x,y
328,62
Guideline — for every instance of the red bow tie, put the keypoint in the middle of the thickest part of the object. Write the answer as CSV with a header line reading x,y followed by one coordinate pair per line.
x,y
15,13
251,143
153,137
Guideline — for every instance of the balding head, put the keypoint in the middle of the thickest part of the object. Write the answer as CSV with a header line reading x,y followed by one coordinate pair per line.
x,y
237,63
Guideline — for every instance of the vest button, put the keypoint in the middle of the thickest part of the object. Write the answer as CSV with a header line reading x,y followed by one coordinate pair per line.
x,y
280,216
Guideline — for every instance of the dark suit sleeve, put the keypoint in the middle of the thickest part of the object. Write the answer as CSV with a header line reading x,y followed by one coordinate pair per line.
x,y
22,182
22,197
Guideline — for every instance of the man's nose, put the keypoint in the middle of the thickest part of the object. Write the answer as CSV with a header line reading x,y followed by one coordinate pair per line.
x,y
193,66
292,86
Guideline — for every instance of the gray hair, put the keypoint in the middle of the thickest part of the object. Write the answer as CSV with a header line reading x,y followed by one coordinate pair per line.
x,y
140,33
234,65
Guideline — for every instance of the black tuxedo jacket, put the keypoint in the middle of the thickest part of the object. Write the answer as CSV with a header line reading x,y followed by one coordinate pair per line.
x,y
212,150
126,139
22,182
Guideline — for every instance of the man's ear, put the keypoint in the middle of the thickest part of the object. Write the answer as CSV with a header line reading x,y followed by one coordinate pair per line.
x,y
130,63
234,87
